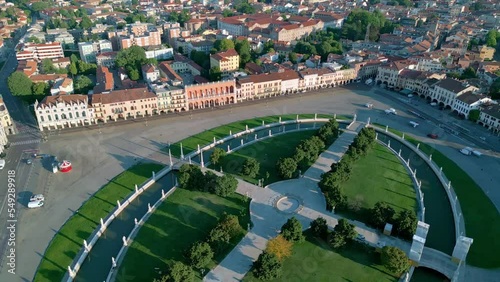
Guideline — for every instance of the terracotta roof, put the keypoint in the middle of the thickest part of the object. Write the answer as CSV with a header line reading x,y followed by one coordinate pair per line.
x,y
122,96
105,80
225,54
66,99
47,77
259,78
452,85
169,72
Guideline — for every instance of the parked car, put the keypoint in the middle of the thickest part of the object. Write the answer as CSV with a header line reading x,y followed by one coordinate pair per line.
x,y
391,111
35,204
433,104
466,151
433,136
369,105
37,197
29,161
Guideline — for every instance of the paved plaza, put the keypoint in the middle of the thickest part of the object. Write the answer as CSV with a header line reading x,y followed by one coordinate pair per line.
x,y
100,154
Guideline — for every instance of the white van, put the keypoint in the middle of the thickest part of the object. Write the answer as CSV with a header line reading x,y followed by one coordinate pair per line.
x,y
466,151
477,153
414,124
2,164
35,204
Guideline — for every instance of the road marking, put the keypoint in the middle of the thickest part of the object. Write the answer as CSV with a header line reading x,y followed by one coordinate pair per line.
x,y
32,141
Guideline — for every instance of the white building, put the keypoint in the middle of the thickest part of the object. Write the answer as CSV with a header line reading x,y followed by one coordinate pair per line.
x,y
467,102
5,119
3,139
490,118
90,50
170,98
447,90
62,86
62,111
39,52
159,53
150,73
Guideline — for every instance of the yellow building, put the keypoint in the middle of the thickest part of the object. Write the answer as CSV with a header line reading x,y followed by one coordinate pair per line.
x,y
486,53
227,61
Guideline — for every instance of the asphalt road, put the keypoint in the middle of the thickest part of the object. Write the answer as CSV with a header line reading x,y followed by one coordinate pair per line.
x,y
100,154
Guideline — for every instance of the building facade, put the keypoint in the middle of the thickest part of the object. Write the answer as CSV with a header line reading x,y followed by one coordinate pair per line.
x,y
227,61
211,94
61,111
39,52
5,119
124,104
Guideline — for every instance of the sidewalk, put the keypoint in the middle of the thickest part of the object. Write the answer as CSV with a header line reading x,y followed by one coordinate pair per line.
x,y
267,219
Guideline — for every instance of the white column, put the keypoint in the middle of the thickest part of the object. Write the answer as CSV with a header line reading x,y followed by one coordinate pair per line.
x,y
170,157
201,158
182,153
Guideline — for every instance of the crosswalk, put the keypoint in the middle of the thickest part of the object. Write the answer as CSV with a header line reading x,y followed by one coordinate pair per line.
x,y
32,141
26,129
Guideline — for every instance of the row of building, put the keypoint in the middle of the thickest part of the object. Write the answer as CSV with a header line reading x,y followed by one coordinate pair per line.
x,y
60,111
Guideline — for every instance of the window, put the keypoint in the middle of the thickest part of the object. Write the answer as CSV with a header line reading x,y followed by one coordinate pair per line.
x,y
50,118
57,117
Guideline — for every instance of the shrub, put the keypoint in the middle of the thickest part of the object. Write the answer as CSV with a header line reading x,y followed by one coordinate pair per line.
x,y
217,156
406,224
292,230
178,272
267,267
250,167
286,167
381,214
280,247
343,233
200,255
394,259
225,185
319,228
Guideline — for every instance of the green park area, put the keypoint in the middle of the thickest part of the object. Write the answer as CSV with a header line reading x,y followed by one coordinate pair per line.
x,y
206,137
267,152
482,220
68,241
314,260
378,176
184,218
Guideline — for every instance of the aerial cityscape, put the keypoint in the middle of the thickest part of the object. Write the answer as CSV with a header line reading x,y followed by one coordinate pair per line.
x,y
249,140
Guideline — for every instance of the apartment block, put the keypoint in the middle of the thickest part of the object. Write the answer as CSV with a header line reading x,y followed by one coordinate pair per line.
x,y
5,119
90,50
210,94
39,52
227,61
490,117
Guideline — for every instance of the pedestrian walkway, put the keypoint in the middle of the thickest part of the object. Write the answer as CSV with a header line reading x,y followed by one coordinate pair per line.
x,y
267,219
25,142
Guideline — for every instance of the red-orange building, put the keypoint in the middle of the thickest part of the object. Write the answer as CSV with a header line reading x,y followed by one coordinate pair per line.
x,y
210,94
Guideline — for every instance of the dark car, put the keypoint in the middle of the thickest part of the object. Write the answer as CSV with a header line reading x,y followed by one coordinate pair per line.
x,y
433,136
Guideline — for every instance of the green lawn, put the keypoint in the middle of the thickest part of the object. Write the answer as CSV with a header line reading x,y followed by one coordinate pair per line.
x,y
482,220
183,219
389,182
69,239
313,260
206,137
267,152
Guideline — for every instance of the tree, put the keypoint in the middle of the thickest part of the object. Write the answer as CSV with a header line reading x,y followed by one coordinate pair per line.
x,y
468,73
406,224
40,88
292,230
223,44
394,259
267,267
225,185
133,74
280,247
245,8
215,74
19,84
251,167
191,177
286,167
72,68
226,229
495,89
86,23
292,56
492,37
381,214
227,13
178,272
200,255
354,27
83,84
217,156
474,115
244,50
319,228
343,233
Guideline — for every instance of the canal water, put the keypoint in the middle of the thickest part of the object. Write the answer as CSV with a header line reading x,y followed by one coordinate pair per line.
x,y
98,262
